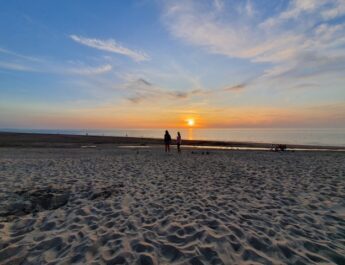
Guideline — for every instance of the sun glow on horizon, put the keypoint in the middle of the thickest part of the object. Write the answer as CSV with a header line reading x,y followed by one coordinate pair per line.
x,y
191,122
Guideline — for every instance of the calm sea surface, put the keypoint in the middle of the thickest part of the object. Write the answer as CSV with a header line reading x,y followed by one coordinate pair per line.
x,y
313,136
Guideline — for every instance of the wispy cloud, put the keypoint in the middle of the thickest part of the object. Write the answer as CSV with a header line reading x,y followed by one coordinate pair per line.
x,y
236,88
111,45
305,86
246,8
140,89
295,9
295,42
23,63
16,67
218,4
144,82
196,26
249,8
327,9
18,55
336,10
90,70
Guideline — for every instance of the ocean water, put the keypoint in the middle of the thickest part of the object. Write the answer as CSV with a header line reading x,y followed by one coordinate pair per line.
x,y
323,137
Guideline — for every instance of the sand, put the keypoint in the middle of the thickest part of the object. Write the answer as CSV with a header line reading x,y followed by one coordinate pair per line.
x,y
34,140
142,206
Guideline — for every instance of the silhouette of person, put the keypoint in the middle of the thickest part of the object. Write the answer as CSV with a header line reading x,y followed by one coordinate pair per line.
x,y
167,141
178,142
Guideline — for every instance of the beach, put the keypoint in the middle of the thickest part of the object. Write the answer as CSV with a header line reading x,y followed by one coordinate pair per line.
x,y
113,204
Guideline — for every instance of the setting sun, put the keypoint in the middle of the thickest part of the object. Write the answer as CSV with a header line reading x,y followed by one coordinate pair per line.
x,y
190,122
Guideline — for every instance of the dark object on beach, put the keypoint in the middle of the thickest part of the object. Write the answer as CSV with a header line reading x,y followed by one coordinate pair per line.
x,y
167,141
27,201
278,147
50,199
178,142
202,152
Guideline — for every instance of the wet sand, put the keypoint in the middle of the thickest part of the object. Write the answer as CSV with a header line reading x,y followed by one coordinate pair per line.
x,y
115,205
8,139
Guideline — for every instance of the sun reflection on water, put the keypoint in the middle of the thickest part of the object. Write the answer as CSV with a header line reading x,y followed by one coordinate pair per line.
x,y
190,134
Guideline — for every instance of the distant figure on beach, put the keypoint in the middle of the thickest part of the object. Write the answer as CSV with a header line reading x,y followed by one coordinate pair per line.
x,y
278,147
178,142
167,141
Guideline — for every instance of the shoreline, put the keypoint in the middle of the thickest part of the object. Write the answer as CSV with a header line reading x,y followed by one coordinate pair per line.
x,y
11,139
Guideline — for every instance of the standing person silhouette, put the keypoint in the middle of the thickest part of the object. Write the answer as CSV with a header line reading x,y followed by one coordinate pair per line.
x,y
178,142
167,141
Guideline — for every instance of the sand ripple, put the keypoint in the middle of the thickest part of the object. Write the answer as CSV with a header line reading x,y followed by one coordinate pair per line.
x,y
145,207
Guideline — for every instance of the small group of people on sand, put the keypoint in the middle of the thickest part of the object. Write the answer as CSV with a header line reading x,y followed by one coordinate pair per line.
x,y
167,141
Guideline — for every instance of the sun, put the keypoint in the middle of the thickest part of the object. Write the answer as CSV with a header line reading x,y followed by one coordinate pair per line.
x,y
190,122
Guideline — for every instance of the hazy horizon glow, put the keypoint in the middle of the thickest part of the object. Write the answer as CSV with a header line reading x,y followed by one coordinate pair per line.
x,y
160,63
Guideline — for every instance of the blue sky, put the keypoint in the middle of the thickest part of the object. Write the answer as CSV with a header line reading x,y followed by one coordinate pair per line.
x,y
116,64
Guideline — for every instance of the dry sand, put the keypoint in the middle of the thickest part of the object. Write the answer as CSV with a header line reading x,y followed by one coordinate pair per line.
x,y
142,206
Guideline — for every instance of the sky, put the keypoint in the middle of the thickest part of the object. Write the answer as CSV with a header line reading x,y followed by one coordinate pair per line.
x,y
157,64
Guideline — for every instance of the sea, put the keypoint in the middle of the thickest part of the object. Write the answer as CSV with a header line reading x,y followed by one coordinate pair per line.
x,y
305,136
